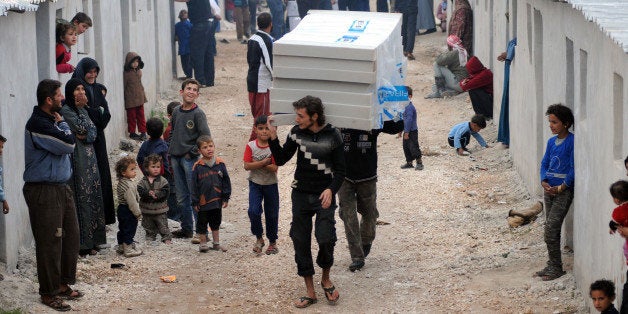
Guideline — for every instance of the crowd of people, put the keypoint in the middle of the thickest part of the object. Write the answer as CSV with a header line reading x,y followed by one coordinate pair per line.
x,y
68,186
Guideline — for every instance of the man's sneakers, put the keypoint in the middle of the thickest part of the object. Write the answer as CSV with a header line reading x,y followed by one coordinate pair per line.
x,y
356,265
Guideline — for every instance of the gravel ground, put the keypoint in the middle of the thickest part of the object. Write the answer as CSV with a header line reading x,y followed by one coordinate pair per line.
x,y
443,245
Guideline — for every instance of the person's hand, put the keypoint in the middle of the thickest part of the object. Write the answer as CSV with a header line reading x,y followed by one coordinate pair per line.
x,y
546,186
5,207
460,151
71,68
611,231
225,204
502,57
152,194
217,17
406,136
80,136
272,129
196,208
326,198
58,117
81,100
623,231
399,134
267,161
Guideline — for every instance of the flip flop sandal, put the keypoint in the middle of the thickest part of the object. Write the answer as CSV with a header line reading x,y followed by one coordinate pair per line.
x,y
67,294
330,290
308,301
57,304
258,247
272,249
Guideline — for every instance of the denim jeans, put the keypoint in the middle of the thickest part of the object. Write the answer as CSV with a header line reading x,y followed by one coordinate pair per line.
x,y
277,13
182,168
202,51
269,194
127,225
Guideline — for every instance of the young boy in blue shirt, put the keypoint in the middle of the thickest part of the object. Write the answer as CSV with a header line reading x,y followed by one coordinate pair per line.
x,y
460,135
411,148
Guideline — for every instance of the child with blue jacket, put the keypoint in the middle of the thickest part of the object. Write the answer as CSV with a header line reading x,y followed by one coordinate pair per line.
x,y
411,148
460,135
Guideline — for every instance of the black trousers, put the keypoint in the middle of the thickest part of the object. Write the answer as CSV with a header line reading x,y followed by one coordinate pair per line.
x,y
411,147
482,102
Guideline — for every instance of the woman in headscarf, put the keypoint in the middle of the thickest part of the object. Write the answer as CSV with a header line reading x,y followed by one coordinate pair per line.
x,y
87,71
461,24
449,69
85,180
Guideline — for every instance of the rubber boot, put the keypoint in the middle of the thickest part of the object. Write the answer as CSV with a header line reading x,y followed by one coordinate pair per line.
x,y
129,251
438,88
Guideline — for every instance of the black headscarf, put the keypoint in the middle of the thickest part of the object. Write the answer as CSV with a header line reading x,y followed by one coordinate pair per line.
x,y
70,86
83,67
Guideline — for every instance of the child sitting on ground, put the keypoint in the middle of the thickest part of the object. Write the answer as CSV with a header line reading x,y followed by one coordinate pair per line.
x,y
154,190
211,190
134,96
262,187
460,135
66,38
5,204
128,207
411,148
602,292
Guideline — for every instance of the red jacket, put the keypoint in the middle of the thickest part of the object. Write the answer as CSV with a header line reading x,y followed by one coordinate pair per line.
x,y
479,76
62,57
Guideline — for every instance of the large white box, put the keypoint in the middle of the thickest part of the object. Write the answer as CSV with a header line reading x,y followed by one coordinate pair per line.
x,y
352,60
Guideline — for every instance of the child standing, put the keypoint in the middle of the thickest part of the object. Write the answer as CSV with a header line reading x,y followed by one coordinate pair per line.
x,y
5,204
262,187
211,190
66,38
460,135
134,96
411,148
619,192
557,180
602,292
182,35
128,207
153,190
154,145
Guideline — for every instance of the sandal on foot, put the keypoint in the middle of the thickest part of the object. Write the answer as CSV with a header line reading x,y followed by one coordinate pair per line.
x,y
56,304
272,249
308,301
331,291
70,294
218,247
258,247
549,276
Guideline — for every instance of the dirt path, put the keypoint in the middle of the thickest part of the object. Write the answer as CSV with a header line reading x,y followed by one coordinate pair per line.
x,y
446,249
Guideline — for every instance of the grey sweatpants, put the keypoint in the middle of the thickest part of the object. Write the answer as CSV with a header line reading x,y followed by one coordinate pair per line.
x,y
450,79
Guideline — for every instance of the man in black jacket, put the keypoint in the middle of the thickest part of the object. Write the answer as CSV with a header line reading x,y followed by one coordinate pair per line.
x,y
358,193
318,176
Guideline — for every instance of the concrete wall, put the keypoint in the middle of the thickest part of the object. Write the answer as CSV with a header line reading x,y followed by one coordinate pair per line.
x,y
119,26
562,57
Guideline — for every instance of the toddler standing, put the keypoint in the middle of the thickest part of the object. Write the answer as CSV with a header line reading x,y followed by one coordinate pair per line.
x,y
134,96
262,187
154,190
411,148
128,207
211,189
66,38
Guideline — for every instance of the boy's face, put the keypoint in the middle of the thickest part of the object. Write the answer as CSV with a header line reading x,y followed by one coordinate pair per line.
x,y
80,27
555,124
475,127
262,132
2,147
154,169
135,64
207,150
130,171
69,38
189,93
601,301
184,16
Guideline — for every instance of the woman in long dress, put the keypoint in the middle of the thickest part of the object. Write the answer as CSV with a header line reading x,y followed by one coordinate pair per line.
x,y
85,180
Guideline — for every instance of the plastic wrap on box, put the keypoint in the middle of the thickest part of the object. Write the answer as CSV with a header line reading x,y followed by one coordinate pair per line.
x,y
353,61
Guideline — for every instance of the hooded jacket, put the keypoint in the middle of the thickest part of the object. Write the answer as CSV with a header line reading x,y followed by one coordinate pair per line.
x,y
134,95
479,76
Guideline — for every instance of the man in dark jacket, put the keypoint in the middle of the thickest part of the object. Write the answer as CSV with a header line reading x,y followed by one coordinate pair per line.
x,y
319,174
358,193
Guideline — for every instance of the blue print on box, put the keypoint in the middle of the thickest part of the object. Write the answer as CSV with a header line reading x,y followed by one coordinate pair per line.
x,y
388,94
347,39
358,26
